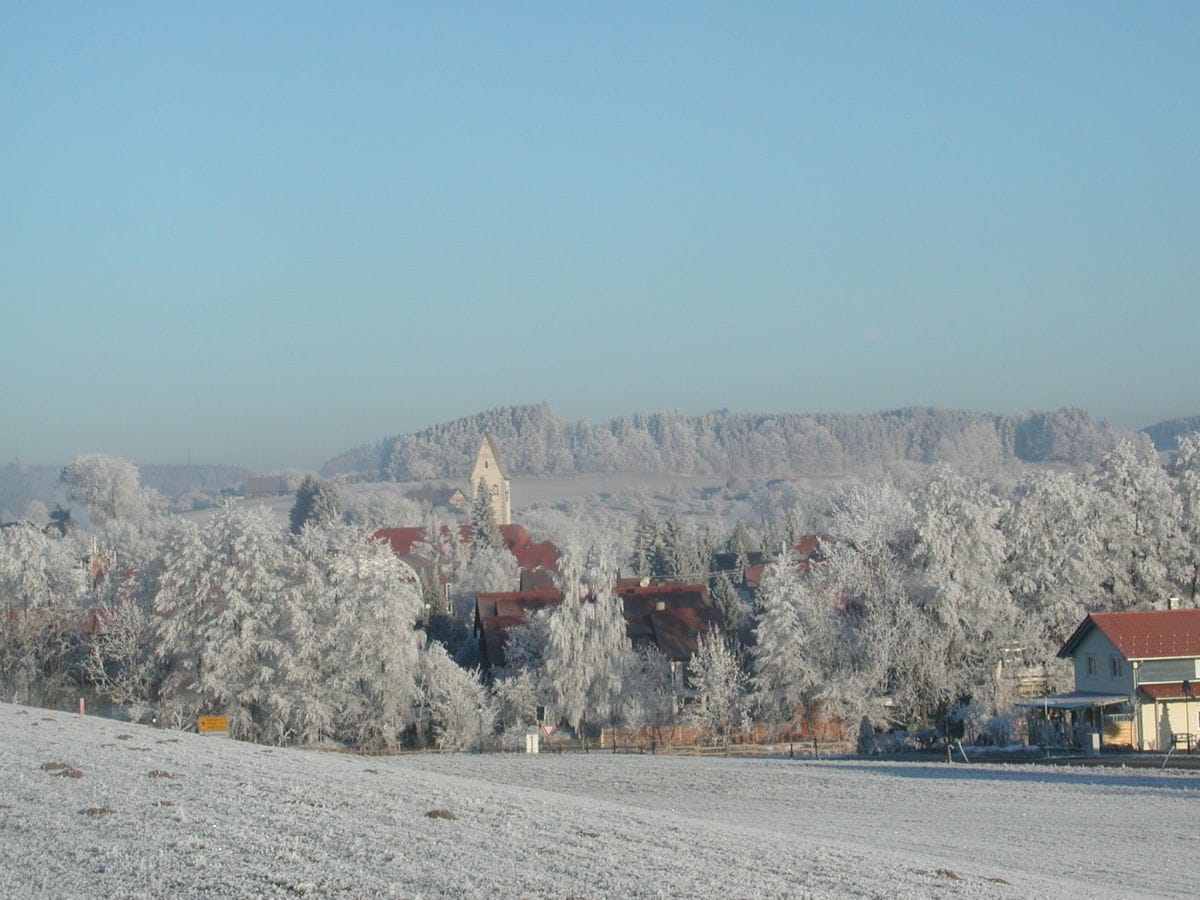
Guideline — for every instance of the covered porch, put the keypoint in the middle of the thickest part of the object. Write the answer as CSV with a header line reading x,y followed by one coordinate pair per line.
x,y
1063,720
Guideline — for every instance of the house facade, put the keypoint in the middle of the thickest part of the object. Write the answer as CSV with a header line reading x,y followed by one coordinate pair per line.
x,y
1139,674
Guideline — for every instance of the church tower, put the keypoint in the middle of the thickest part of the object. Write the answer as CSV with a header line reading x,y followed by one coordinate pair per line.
x,y
488,470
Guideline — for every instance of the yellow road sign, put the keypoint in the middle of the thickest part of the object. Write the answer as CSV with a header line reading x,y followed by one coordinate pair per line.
x,y
212,723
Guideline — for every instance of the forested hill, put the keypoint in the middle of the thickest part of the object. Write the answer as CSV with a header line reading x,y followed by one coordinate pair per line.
x,y
534,441
1166,435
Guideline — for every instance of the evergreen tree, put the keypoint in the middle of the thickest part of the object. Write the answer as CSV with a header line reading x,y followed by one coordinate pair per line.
x,y
726,598
741,544
645,543
676,553
484,530
317,503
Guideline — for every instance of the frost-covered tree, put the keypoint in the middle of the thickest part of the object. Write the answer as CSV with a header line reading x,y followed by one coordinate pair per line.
x,y
489,569
721,686
1187,486
1141,535
1054,535
676,556
42,583
804,654
124,515
587,648
726,598
365,603
648,697
740,543
484,530
120,661
455,704
961,551
645,543
221,606
317,503
382,509
109,487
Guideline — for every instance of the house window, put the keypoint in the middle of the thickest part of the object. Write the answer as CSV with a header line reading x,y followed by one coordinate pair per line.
x,y
1093,667
1118,667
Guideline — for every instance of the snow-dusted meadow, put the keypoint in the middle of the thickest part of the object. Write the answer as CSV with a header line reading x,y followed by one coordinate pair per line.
x,y
161,813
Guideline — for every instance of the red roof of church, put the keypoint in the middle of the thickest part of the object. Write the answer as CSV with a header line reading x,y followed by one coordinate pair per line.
x,y
1153,634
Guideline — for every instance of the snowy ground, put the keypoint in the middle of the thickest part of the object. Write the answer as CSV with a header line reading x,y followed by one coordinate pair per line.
x,y
160,813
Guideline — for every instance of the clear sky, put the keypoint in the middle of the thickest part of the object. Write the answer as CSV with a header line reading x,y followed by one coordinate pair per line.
x,y
269,232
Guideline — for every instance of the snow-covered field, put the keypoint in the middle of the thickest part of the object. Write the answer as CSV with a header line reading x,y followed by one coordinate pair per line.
x,y
161,813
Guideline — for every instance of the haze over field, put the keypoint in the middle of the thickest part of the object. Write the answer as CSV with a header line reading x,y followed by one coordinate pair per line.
x,y
262,236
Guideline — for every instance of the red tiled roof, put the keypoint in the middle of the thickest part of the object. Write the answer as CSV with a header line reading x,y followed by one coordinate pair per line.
x,y
401,539
1170,691
1154,634
675,629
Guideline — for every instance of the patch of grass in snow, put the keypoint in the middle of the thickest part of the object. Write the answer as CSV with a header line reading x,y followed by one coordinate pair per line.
x,y
97,811
440,814
60,768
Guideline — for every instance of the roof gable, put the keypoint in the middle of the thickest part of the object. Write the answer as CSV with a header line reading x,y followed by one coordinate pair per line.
x,y
1152,634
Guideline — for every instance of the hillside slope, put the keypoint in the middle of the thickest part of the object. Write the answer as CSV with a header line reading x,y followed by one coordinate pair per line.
x,y
1166,435
161,813
534,441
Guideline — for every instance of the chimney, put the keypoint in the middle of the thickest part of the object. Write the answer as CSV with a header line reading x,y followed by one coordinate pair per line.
x,y
1172,603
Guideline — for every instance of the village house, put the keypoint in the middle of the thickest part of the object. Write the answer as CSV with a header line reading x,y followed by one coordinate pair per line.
x,y
1136,679
669,616
450,498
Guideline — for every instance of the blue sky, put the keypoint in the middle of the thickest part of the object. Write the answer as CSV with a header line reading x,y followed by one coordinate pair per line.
x,y
270,233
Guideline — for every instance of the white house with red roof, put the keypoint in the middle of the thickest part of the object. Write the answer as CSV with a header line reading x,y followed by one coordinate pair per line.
x,y
1137,677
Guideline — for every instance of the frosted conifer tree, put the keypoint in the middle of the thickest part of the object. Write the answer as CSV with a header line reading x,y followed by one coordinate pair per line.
x,y
484,530
317,503
645,543
725,597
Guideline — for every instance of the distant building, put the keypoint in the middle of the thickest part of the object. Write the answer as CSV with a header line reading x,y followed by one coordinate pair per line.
x,y
670,616
446,498
1137,679
488,472
265,486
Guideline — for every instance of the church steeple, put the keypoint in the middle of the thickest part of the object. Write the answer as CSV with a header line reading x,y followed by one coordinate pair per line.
x,y
488,470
